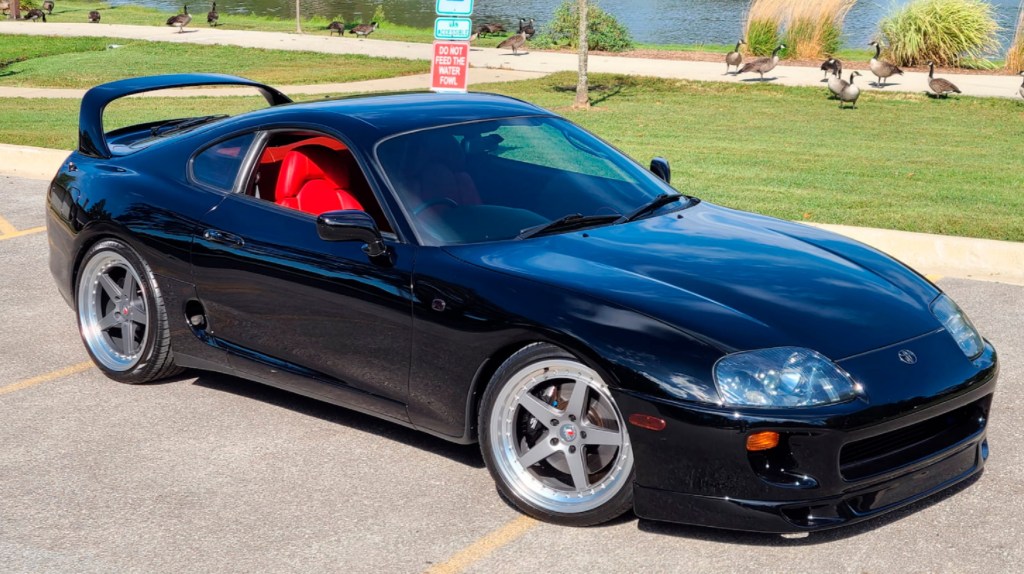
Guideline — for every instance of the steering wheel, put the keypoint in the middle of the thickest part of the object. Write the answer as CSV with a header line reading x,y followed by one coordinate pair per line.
x,y
434,203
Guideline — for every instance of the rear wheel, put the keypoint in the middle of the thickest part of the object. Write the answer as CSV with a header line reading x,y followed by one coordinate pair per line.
x,y
121,315
554,440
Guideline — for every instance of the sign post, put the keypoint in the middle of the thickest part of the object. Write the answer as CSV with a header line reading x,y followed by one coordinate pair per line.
x,y
450,65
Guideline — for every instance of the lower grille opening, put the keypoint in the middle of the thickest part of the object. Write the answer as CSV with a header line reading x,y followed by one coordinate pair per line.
x,y
878,454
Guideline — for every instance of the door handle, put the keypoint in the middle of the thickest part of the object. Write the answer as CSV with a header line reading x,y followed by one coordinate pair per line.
x,y
218,236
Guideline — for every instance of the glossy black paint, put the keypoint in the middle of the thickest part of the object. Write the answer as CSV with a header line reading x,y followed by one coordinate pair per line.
x,y
414,334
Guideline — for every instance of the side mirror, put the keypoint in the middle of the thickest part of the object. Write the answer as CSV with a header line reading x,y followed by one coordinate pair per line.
x,y
351,225
660,168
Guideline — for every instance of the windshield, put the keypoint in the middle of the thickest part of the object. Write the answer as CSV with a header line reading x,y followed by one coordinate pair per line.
x,y
493,180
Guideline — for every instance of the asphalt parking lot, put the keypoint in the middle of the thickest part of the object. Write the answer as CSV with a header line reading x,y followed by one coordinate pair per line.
x,y
212,473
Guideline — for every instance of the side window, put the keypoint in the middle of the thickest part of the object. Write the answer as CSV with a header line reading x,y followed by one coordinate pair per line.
x,y
313,173
217,166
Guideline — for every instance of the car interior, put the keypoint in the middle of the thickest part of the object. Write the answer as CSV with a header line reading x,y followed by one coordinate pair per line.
x,y
314,174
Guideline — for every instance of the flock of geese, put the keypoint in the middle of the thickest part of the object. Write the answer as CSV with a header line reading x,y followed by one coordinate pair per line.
x,y
847,92
179,21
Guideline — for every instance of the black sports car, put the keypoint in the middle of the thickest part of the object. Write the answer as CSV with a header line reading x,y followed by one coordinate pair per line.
x,y
481,269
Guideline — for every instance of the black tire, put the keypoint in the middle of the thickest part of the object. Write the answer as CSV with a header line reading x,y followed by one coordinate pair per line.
x,y
121,315
545,372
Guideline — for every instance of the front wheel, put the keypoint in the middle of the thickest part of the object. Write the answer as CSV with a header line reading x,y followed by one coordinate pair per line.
x,y
121,315
554,440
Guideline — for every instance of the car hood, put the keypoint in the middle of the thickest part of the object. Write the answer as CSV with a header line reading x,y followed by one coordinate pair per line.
x,y
736,280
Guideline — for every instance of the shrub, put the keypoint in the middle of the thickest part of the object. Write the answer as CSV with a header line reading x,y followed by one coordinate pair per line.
x,y
604,32
809,29
1015,55
815,29
764,22
947,32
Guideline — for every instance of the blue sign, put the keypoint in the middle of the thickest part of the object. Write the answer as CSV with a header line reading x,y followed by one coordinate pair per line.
x,y
454,8
453,28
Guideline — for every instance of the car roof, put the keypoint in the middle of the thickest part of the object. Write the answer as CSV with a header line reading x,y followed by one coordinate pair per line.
x,y
396,113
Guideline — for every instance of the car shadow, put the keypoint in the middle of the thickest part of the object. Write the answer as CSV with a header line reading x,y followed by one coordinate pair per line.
x,y
808,539
468,455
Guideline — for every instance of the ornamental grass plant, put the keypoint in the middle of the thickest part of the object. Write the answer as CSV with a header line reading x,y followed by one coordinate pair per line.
x,y
809,29
947,32
1015,55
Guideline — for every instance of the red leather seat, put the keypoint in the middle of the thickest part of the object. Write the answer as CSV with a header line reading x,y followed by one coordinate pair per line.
x,y
315,179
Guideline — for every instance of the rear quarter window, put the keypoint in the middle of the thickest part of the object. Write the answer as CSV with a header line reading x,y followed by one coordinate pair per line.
x,y
217,166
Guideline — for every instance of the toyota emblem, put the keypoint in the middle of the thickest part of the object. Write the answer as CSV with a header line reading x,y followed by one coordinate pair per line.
x,y
907,356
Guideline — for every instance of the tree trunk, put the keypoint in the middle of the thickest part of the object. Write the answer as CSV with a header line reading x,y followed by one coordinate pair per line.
x,y
298,16
14,12
582,83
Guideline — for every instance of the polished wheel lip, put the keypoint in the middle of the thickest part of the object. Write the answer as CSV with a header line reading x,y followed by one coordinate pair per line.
x,y
505,438
94,284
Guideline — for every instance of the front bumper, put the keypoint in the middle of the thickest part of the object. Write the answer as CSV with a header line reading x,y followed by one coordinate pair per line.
x,y
834,465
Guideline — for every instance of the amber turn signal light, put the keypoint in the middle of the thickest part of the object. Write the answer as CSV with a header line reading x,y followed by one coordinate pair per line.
x,y
647,422
762,440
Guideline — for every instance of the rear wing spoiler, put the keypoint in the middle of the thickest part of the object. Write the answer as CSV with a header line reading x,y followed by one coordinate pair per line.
x,y
91,138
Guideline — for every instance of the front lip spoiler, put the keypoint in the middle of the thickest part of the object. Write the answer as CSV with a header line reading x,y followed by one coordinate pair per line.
x,y
947,469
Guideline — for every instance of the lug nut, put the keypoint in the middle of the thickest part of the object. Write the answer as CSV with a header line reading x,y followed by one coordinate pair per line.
x,y
572,449
554,442
572,418
554,422
583,434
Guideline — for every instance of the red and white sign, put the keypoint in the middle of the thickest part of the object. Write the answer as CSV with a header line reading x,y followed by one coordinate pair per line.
x,y
449,67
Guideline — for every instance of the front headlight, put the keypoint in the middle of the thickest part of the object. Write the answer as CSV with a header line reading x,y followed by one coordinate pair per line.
x,y
781,377
958,325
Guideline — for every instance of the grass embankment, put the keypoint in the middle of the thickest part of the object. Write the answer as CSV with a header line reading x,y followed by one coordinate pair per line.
x,y
59,62
78,10
787,152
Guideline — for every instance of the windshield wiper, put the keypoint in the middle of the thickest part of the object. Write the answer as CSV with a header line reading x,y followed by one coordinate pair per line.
x,y
173,126
571,221
651,206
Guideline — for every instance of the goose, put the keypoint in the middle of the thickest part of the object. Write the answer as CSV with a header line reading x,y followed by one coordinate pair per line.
x,y
836,84
763,65
491,28
94,16
832,65
1021,90
336,26
734,58
527,27
880,68
515,41
35,14
850,92
212,17
181,20
941,86
364,30
48,6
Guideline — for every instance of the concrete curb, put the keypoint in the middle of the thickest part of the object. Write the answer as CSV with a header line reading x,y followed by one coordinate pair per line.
x,y
30,162
934,255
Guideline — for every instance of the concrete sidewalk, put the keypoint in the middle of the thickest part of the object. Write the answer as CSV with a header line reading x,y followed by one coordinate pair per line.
x,y
490,58
934,255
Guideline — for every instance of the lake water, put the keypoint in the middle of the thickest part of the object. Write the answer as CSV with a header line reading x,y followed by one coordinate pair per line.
x,y
649,21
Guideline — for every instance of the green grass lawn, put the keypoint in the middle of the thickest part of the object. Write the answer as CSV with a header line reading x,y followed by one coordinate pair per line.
x,y
58,62
899,161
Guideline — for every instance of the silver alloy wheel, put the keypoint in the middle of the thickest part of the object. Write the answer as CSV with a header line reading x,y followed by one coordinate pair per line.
x,y
112,311
559,441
